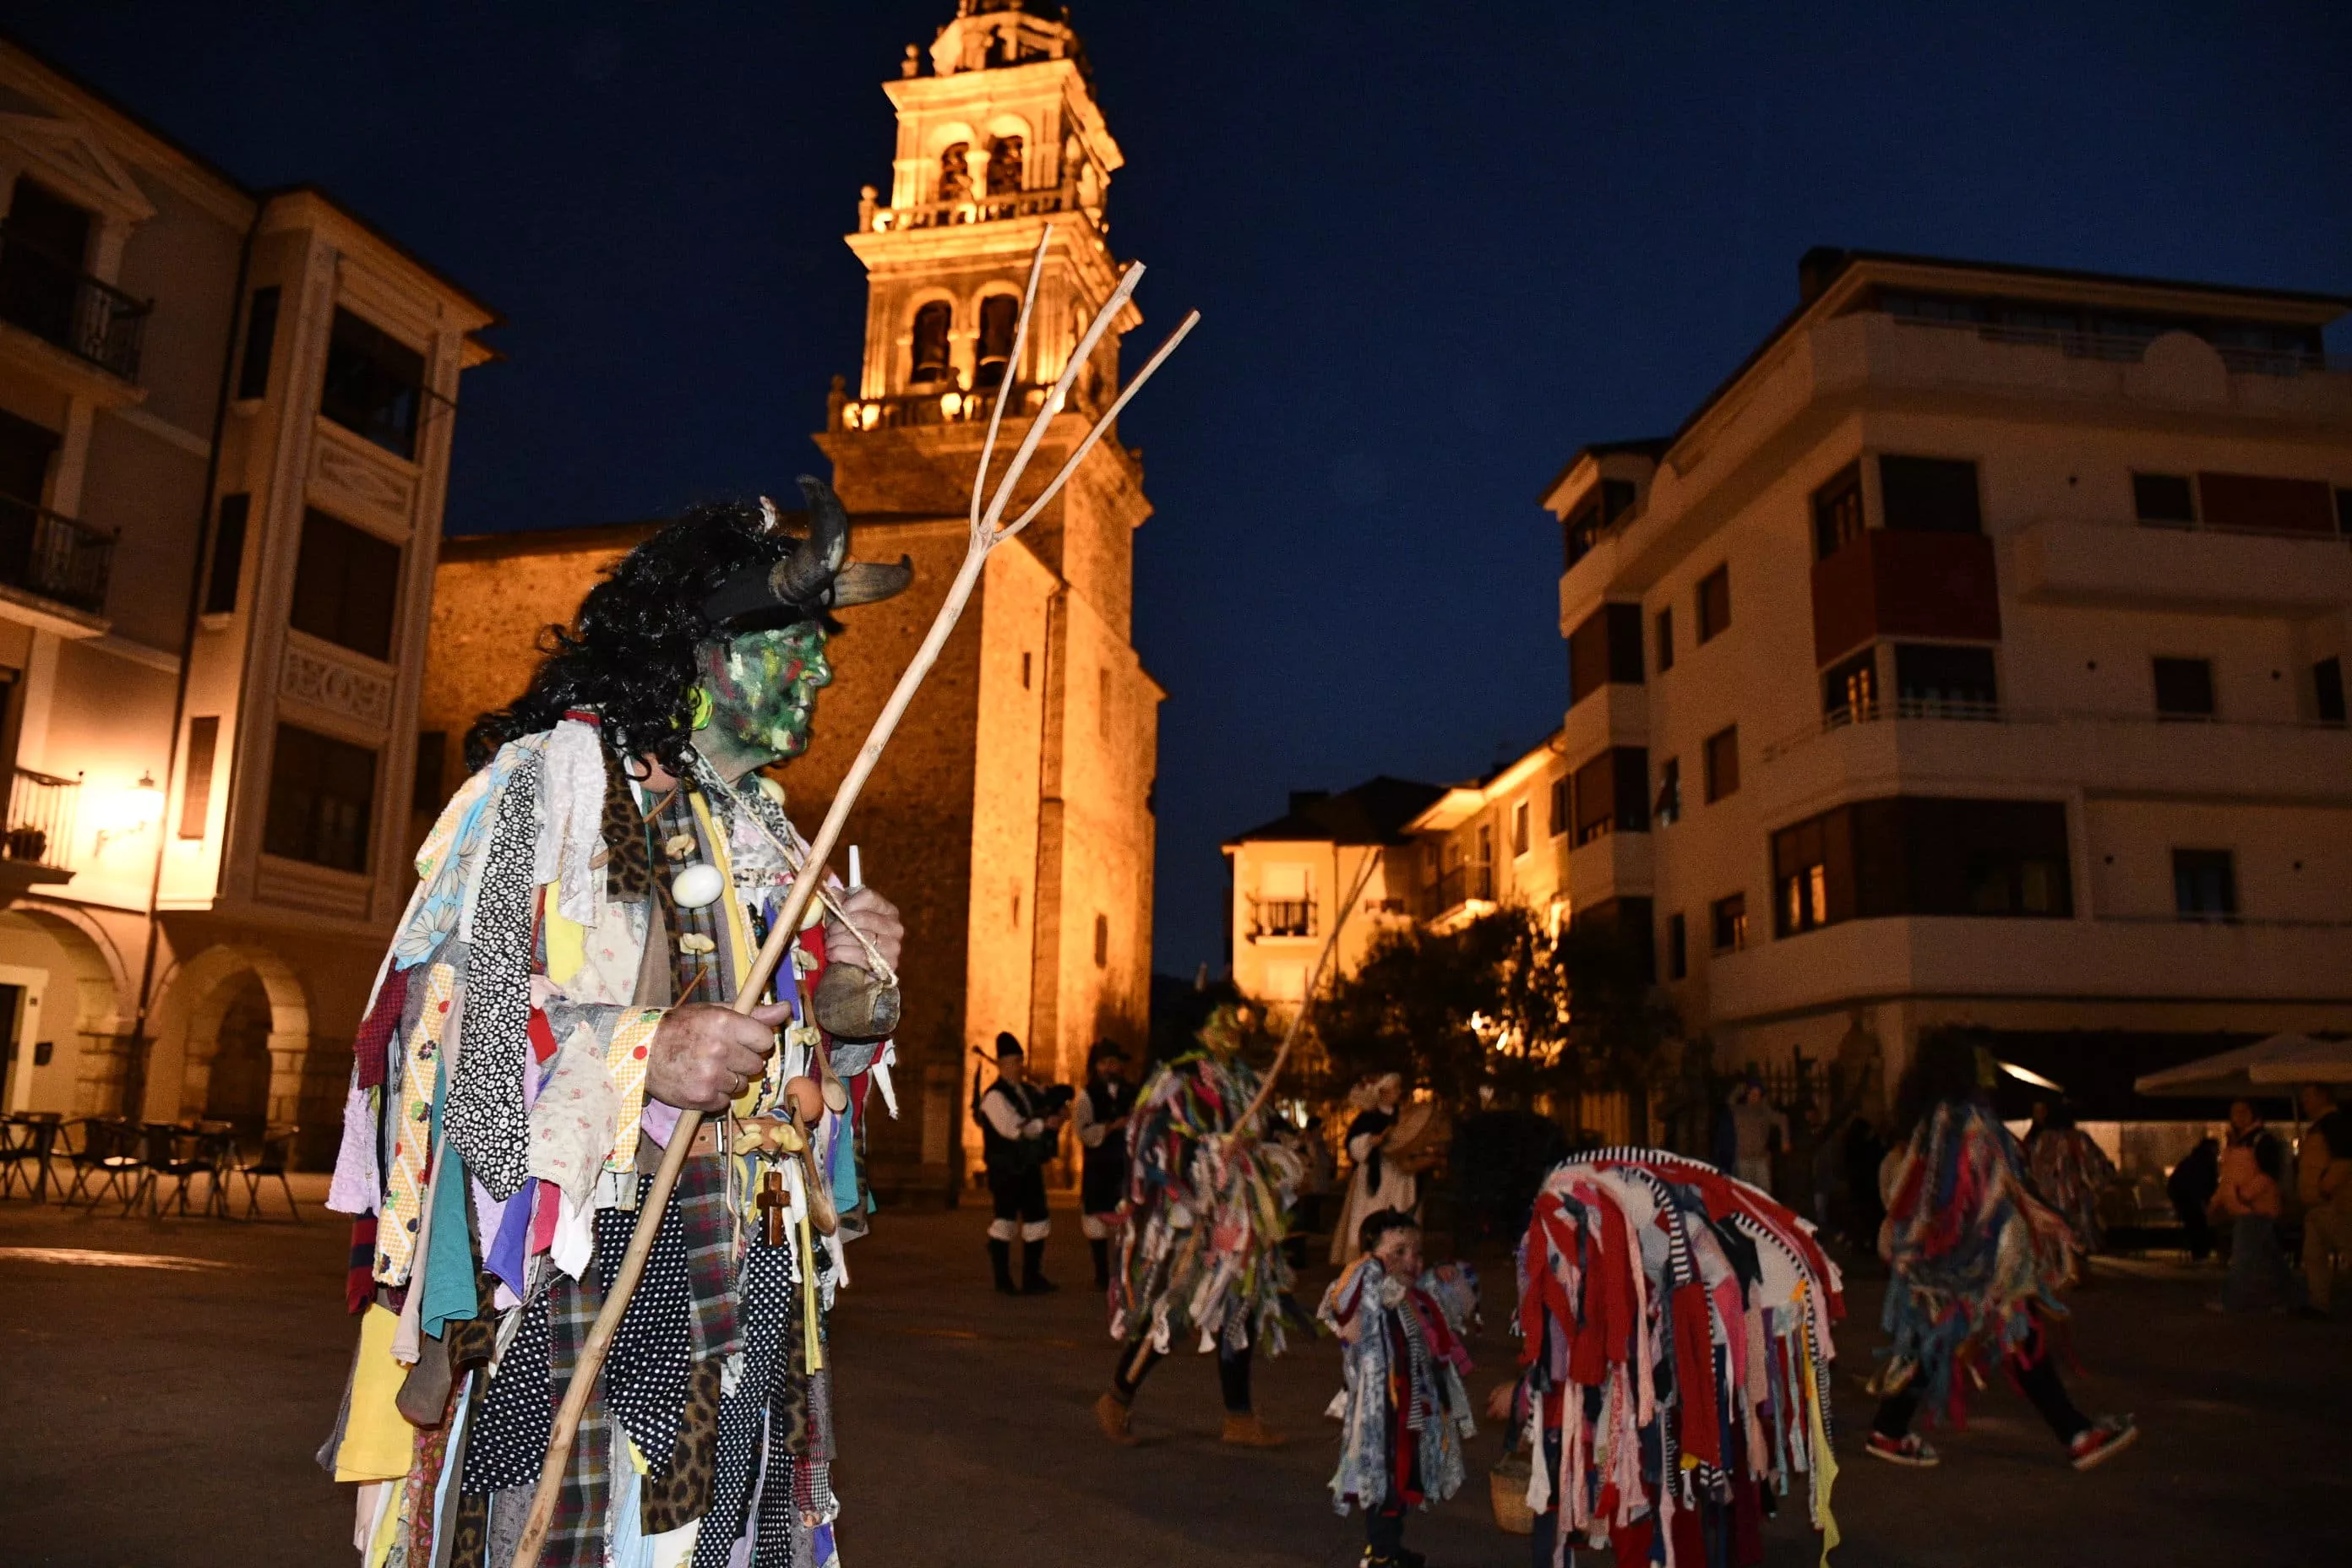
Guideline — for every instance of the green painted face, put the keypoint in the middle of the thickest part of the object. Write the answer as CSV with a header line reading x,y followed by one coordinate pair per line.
x,y
763,687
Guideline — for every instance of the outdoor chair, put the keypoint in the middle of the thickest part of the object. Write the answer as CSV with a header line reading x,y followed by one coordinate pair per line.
x,y
276,1153
28,1140
172,1153
105,1158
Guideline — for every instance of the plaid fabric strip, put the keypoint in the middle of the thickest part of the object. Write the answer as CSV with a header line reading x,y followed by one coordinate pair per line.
x,y
576,1538
699,1208
370,1049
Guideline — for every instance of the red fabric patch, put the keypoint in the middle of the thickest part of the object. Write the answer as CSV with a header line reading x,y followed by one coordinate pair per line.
x,y
359,1284
542,1035
372,1044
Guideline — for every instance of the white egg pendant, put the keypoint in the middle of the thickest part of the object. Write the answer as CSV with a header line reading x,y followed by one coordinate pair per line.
x,y
697,885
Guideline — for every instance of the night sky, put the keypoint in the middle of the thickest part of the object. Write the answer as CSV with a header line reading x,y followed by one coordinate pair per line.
x,y
1437,248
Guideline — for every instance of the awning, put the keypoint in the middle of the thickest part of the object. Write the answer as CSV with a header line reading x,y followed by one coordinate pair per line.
x,y
2266,1069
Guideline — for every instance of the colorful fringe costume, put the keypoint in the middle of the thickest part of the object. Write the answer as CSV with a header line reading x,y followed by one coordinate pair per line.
x,y
1203,1247
2071,1172
1676,1341
496,1141
1403,1412
1978,1258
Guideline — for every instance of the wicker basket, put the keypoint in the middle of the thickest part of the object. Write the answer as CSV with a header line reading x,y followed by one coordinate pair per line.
x,y
1506,1486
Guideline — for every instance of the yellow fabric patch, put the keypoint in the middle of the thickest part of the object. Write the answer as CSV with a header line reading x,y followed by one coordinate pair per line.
x,y
379,1445
624,1059
411,1148
567,940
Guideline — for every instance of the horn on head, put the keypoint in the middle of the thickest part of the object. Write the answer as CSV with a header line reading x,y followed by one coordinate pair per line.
x,y
805,577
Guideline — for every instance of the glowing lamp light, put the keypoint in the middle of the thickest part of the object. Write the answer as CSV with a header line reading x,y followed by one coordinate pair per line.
x,y
870,416
951,403
124,814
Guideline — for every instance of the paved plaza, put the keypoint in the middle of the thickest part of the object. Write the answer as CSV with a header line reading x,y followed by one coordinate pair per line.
x,y
165,1417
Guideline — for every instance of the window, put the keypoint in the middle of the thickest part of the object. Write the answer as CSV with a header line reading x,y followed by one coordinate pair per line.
x,y
1556,808
261,341
197,798
374,384
1729,919
1519,815
1665,638
1004,161
322,795
1102,941
1669,807
2327,691
2167,500
2204,884
432,757
955,172
25,450
2184,689
1482,879
1605,649
1609,794
1000,315
1722,761
1849,690
1944,681
1714,605
931,345
1837,512
1677,948
41,264
228,555
2262,503
1929,495
345,585
1919,856
1584,528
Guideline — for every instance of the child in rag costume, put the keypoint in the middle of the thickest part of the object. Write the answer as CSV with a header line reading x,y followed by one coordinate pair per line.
x,y
554,1001
1978,1261
1202,1250
2071,1172
1403,1412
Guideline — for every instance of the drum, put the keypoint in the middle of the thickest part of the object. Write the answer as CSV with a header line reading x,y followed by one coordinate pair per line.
x,y
1423,1134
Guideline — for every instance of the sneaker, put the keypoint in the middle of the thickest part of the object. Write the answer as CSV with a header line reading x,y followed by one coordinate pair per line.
x,y
2107,1438
1908,1449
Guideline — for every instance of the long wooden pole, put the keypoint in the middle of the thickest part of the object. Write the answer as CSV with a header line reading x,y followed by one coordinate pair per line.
x,y
986,533
1314,982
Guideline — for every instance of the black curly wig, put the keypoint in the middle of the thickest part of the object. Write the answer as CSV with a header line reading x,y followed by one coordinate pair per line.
x,y
629,655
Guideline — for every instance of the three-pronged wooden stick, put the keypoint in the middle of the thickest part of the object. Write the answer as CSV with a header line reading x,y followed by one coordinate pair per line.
x,y
988,530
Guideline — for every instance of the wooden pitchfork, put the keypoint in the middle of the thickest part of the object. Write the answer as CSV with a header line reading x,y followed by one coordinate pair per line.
x,y
988,530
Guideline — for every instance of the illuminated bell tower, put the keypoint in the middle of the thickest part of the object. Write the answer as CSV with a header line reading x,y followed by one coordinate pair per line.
x,y
1038,732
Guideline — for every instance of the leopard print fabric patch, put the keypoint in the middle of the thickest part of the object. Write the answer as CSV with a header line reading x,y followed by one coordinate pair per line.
x,y
678,1493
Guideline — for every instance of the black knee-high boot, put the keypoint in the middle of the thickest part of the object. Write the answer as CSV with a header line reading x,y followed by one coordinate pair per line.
x,y
1100,1247
1000,1258
1032,1270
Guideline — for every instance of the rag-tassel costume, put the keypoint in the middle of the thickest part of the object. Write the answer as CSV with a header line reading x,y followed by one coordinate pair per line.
x,y
1979,1259
1676,1325
1375,1184
1202,1252
2071,1172
496,1141
1403,1412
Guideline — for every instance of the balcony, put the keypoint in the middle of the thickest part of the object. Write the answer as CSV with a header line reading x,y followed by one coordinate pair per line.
x,y
62,305
1458,895
1919,746
39,832
876,219
2067,560
1886,582
948,405
1281,917
54,557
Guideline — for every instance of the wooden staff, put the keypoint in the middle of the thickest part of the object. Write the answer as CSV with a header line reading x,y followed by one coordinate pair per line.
x,y
988,532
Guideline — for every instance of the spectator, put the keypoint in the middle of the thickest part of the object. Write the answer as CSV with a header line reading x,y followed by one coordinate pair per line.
x,y
1865,1151
2250,1199
2191,1186
2323,1170
1759,1131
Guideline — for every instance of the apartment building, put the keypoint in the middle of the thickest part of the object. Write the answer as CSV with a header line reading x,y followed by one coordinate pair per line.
x,y
1290,876
1976,654
225,428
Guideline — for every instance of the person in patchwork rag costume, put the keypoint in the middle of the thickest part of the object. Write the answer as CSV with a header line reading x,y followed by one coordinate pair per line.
x,y
556,994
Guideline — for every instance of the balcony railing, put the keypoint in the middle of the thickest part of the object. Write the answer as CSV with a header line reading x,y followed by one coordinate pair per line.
x,y
54,556
2130,348
948,405
54,300
1282,917
875,219
40,818
1969,712
1462,885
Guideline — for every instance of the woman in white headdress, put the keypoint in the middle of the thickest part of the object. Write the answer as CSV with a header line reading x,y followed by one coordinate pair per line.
x,y
1377,1183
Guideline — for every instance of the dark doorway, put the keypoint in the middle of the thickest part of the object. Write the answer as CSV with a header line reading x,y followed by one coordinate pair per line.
x,y
10,996
240,1092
